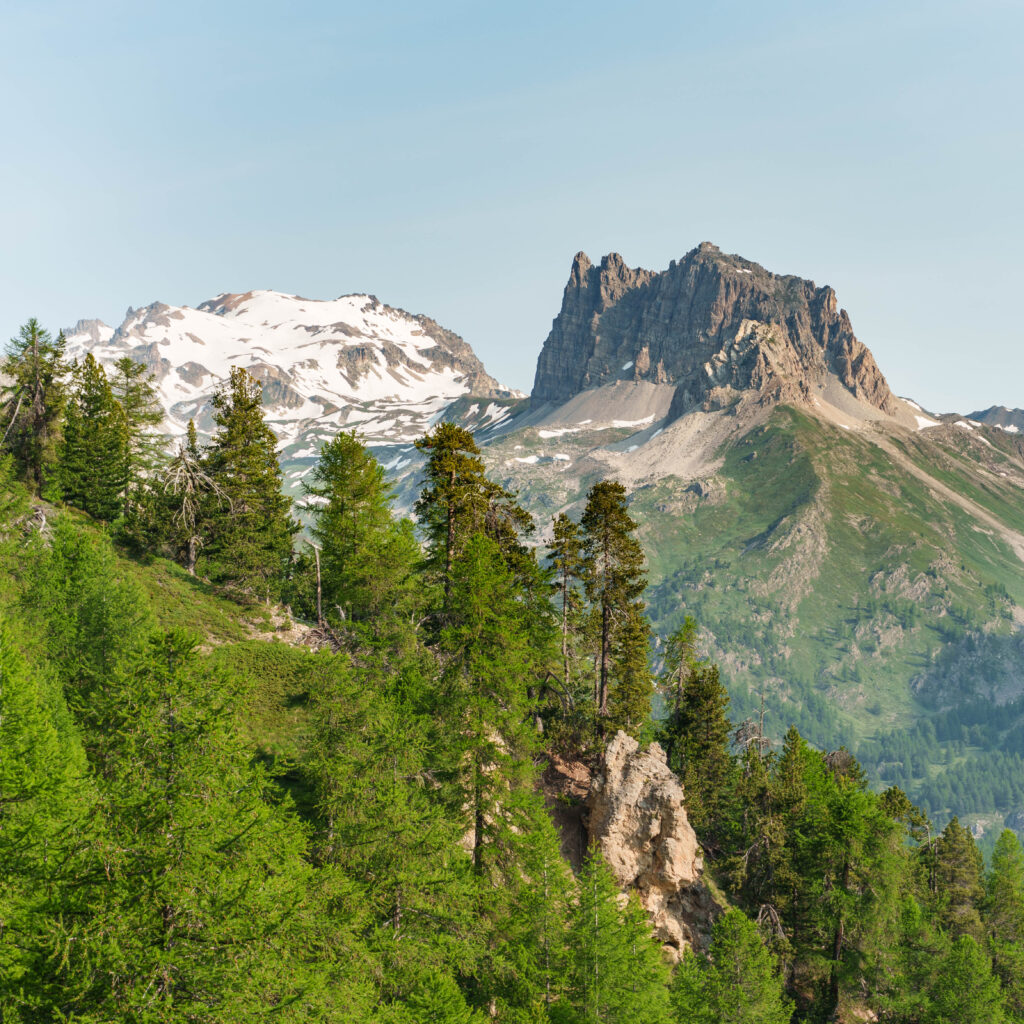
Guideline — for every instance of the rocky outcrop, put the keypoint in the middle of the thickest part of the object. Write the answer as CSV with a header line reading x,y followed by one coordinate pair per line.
x,y
637,816
712,324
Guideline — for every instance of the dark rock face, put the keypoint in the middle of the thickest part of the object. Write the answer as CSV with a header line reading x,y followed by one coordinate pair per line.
x,y
712,324
1000,416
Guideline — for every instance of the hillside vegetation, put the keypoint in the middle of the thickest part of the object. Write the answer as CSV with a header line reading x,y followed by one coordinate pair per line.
x,y
212,812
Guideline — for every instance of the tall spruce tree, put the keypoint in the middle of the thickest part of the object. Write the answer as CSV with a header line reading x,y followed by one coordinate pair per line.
x,y
614,575
94,455
958,887
33,401
458,501
701,733
133,389
249,542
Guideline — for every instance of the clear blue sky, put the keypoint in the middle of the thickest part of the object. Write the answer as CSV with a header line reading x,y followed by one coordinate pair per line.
x,y
452,157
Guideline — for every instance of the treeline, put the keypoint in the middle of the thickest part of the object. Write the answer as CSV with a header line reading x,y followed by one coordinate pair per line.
x,y
155,870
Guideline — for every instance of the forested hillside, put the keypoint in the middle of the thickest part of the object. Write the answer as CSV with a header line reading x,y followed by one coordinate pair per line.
x,y
247,776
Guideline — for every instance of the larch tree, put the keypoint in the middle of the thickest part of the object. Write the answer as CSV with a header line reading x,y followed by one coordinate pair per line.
x,y
737,983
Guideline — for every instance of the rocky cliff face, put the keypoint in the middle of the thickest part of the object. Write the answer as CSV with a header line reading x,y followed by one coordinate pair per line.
x,y
712,325
637,815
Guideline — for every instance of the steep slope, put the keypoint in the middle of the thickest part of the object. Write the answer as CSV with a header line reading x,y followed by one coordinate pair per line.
x,y
711,326
851,558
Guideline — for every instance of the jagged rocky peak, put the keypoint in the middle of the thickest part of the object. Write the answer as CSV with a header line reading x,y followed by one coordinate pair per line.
x,y
712,325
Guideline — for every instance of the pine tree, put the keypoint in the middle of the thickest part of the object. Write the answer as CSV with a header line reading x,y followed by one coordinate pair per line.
x,y
615,973
249,543
453,502
458,501
204,900
681,663
538,887
629,705
615,577
566,558
737,984
192,497
33,402
95,451
701,734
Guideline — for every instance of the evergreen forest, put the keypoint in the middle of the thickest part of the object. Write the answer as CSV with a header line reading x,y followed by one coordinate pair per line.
x,y
204,820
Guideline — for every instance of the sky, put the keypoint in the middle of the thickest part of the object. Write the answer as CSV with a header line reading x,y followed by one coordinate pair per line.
x,y
452,157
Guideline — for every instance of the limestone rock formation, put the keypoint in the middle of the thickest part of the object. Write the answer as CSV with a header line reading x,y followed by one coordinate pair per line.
x,y
638,818
713,325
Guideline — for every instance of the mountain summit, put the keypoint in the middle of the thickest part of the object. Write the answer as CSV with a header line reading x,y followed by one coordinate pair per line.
x,y
712,325
325,365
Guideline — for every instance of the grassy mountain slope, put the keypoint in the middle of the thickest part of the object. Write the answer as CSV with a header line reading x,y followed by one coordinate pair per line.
x,y
863,582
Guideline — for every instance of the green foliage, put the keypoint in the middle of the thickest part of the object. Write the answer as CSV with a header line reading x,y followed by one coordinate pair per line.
x,y
366,558
33,402
95,456
614,580
615,972
249,543
738,983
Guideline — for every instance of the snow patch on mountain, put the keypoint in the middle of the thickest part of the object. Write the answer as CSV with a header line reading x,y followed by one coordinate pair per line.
x,y
325,365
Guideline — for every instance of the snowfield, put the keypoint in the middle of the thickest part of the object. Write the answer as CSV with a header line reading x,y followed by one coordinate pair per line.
x,y
325,365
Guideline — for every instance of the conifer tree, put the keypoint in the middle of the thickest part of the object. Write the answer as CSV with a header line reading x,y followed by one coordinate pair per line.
x,y
538,885
738,983
681,662
958,883
458,501
615,577
94,456
615,973
963,989
453,502
133,389
33,402
489,661
47,811
701,734
249,543
566,557
1004,918
366,557
629,704
206,901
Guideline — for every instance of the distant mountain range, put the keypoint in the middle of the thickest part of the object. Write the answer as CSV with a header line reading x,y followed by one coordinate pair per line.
x,y
856,560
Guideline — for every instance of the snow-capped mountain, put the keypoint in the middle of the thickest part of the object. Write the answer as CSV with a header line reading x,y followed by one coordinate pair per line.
x,y
325,365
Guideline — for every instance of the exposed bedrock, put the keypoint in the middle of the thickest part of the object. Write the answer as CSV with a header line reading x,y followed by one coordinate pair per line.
x,y
711,324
